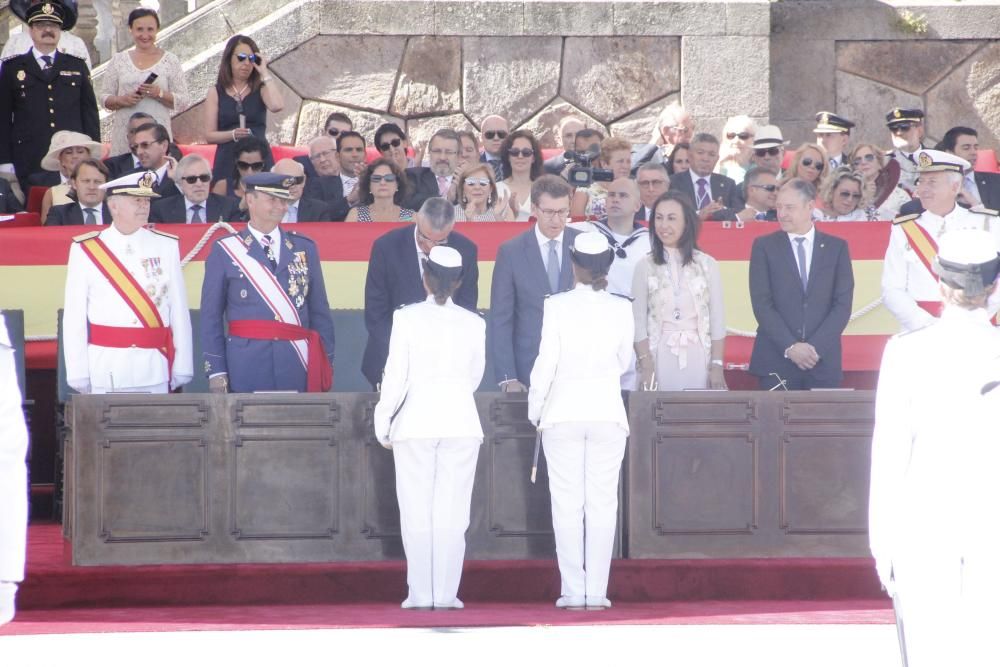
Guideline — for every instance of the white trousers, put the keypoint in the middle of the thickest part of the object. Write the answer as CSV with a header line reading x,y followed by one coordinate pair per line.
x,y
13,472
434,488
584,460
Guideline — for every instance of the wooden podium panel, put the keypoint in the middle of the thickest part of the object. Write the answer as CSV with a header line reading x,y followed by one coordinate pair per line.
x,y
749,474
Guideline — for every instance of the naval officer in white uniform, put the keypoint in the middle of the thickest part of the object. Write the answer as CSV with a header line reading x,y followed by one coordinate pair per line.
x,y
126,324
575,400
909,286
427,415
933,508
13,479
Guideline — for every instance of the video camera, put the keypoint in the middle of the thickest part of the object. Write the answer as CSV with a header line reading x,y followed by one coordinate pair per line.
x,y
582,173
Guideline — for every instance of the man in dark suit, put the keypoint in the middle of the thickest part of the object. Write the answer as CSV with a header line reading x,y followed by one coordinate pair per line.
x,y
978,187
760,191
323,176
801,290
395,276
528,268
119,165
494,130
89,207
438,180
709,192
151,143
653,181
43,91
300,208
196,203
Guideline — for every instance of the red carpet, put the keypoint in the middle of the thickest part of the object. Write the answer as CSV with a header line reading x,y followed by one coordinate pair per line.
x,y
59,598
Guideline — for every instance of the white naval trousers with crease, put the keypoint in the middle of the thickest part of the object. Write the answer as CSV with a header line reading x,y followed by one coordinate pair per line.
x,y
13,470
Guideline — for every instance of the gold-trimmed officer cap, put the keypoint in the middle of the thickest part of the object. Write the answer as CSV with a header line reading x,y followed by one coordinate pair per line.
x,y
831,123
899,115
276,185
929,160
46,11
138,184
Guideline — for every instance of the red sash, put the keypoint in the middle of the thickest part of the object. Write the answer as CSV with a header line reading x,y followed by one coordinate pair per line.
x,y
319,372
152,334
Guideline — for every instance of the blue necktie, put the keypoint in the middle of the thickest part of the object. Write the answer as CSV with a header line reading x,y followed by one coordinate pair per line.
x,y
800,252
553,268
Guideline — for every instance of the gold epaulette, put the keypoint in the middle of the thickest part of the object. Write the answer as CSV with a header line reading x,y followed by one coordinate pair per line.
x,y
86,237
905,218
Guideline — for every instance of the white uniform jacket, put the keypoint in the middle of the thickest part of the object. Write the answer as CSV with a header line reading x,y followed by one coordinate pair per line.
x,y
153,259
437,355
586,346
929,449
905,279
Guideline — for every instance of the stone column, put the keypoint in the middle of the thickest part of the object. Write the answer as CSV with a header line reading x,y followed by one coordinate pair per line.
x,y
86,29
120,9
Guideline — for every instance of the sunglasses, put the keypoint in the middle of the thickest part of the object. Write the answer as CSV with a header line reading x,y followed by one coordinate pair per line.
x,y
870,157
252,57
392,143
766,188
742,135
386,178
297,180
477,181
809,162
902,128
761,152
252,166
333,132
191,180
844,194
495,134
521,152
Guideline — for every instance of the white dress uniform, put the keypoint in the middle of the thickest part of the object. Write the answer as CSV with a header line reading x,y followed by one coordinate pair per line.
x,y
13,479
933,506
575,400
153,258
427,414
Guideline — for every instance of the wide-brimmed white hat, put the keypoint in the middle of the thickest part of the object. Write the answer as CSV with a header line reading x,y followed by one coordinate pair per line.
x,y
64,139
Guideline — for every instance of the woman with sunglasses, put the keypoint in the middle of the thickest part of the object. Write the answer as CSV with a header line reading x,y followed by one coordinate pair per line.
x,y
809,163
679,159
126,88
616,156
736,147
884,174
237,106
521,157
680,327
381,186
391,142
249,153
478,198
846,196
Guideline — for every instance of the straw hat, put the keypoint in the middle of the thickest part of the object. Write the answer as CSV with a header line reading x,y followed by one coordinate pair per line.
x,y
64,139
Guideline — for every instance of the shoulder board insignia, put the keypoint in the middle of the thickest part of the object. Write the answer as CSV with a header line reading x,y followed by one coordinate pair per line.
x,y
86,237
298,235
622,296
989,386
404,305
246,237
16,55
905,218
168,235
985,211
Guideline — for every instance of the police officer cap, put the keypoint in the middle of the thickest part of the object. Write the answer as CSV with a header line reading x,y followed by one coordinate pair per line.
x,y
968,259
276,185
137,184
444,262
831,123
47,11
592,251
899,115
929,160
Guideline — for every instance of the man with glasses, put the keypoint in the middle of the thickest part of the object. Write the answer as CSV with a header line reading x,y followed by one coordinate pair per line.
x,y
395,276
119,165
196,203
528,268
653,181
760,189
391,142
768,149
832,133
494,130
300,209
438,180
710,192
151,141
322,172
674,126
907,129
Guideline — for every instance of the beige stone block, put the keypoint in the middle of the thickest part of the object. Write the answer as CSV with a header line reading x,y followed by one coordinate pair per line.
x,y
801,78
970,96
912,66
478,17
420,130
544,124
569,18
511,76
312,118
189,126
430,77
866,102
613,76
376,17
639,127
282,126
725,76
354,70
685,17
748,17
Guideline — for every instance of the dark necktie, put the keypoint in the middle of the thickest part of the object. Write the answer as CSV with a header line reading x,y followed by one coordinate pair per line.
x,y
89,218
702,193
497,169
48,62
800,252
269,249
196,214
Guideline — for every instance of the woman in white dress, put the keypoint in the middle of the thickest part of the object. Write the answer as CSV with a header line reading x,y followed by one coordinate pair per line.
x,y
427,415
575,401
680,328
125,89
522,159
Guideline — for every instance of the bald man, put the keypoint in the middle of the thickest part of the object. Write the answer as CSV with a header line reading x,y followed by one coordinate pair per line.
x,y
565,134
300,209
494,130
